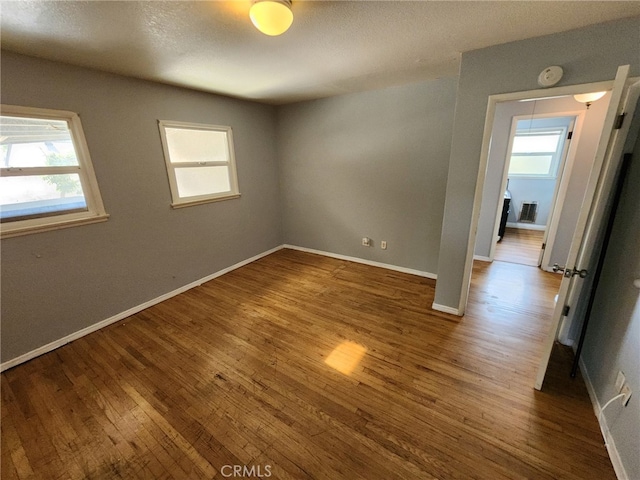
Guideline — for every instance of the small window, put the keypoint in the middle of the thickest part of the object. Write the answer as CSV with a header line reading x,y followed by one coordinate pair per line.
x,y
200,162
536,153
46,177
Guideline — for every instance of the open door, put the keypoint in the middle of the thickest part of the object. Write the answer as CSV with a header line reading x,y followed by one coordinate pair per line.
x,y
562,183
603,172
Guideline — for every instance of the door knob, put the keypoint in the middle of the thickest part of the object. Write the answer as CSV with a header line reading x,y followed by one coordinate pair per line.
x,y
570,272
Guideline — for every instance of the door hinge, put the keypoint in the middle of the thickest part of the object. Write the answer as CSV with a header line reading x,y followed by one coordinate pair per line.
x,y
619,121
544,245
565,310
569,135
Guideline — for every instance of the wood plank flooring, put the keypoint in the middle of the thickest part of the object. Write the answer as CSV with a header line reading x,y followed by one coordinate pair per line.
x,y
520,246
233,373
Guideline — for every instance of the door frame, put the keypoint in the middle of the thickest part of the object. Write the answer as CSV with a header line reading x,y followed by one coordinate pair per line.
x,y
585,249
492,101
562,178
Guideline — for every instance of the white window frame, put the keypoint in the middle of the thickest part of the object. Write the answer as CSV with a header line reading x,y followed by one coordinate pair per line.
x,y
95,208
556,156
177,200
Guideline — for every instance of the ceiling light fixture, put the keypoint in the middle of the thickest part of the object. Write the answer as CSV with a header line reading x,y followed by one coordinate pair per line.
x,y
271,17
589,98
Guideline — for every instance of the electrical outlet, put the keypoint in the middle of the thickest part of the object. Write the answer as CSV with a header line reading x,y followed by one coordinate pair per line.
x,y
366,242
626,391
383,244
620,379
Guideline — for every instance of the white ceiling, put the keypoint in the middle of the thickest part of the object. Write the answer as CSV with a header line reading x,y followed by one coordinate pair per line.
x,y
331,48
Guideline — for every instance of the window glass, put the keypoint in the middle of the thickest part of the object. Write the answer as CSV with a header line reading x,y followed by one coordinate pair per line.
x,y
193,182
46,176
535,143
200,162
530,164
536,154
187,145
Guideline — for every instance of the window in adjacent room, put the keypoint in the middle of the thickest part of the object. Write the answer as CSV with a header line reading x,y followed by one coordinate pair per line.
x,y
536,153
46,177
200,162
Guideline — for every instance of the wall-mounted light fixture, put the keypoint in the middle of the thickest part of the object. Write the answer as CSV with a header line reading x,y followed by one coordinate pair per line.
x,y
589,98
271,17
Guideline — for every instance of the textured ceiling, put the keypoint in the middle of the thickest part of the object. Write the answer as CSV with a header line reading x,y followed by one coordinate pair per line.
x,y
331,48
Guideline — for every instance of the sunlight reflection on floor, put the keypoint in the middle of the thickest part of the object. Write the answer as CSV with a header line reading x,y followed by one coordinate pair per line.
x,y
345,357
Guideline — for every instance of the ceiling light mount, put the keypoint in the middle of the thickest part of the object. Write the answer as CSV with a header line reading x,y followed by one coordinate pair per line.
x,y
271,17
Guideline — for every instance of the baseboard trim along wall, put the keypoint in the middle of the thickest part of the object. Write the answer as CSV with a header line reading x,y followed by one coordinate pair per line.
x,y
526,226
616,461
482,258
127,313
411,271
445,309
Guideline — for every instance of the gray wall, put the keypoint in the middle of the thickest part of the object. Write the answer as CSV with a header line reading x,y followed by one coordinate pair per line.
x,y
613,336
368,164
585,146
587,55
56,283
531,190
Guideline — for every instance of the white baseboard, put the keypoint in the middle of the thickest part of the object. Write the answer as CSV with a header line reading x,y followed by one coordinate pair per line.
x,y
482,258
411,271
616,461
127,313
445,309
526,226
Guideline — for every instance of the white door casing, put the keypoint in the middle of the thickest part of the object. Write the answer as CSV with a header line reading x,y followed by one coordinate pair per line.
x,y
603,172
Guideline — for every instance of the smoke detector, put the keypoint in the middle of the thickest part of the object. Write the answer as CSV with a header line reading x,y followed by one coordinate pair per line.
x,y
550,76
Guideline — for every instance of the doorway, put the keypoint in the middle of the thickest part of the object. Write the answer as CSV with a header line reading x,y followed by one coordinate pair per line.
x,y
538,149
624,93
545,198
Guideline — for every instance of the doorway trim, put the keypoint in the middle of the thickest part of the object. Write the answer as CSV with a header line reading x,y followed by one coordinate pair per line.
x,y
562,177
492,101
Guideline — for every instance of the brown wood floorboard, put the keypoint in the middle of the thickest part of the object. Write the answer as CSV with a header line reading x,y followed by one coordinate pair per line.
x,y
519,246
233,373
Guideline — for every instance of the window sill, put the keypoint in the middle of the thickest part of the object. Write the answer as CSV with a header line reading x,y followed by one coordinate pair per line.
x,y
533,177
8,232
202,201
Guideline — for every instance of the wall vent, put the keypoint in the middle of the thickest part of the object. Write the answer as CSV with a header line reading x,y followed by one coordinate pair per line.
x,y
528,212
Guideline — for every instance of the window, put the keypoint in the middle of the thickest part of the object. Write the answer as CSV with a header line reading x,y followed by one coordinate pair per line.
x,y
200,162
46,177
536,153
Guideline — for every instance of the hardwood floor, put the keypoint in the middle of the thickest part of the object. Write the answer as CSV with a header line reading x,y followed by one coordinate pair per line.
x,y
235,372
519,246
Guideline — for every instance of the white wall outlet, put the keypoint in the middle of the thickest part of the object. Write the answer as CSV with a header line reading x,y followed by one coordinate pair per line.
x,y
366,242
383,244
626,391
620,379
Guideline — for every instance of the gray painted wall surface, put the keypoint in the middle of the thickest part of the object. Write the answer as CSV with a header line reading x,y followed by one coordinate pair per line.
x,y
613,337
587,55
369,164
585,145
531,190
56,283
